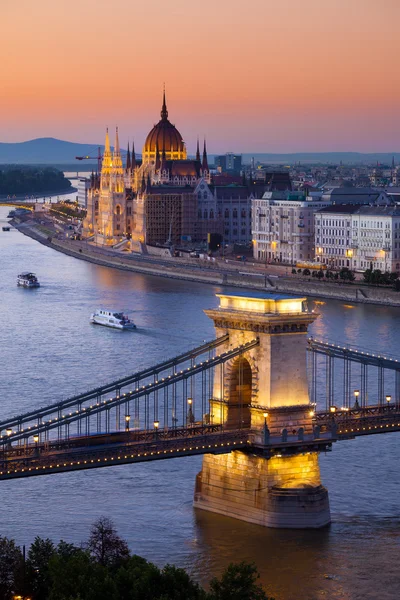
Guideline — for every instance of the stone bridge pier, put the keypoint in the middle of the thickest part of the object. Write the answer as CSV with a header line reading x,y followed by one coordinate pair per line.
x,y
264,390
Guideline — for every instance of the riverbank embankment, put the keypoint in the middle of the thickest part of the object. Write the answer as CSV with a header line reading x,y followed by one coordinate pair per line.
x,y
219,274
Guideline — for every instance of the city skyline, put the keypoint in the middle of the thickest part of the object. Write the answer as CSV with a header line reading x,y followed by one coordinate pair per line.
x,y
287,78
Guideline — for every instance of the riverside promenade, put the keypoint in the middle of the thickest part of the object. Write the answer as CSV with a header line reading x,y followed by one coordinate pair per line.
x,y
220,272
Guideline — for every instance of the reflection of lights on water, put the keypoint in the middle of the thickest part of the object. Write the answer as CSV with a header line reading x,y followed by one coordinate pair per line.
x,y
348,306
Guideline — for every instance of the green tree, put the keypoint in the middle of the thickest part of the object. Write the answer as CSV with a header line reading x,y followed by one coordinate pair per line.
x,y
105,545
138,578
176,584
37,567
306,272
238,582
79,577
10,568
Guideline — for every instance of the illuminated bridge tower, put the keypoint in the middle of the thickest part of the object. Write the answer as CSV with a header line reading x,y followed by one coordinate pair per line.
x,y
266,391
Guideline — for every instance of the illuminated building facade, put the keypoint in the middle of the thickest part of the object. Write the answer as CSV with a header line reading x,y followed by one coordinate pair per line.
x,y
358,237
153,201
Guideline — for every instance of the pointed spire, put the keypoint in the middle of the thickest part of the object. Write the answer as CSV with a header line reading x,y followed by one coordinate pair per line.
x,y
158,162
163,166
116,147
198,150
205,161
133,161
164,111
128,159
107,147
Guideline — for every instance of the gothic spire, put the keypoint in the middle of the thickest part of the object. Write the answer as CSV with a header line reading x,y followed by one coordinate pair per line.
x,y
163,166
116,147
107,147
198,150
164,111
158,162
107,155
205,161
128,159
133,161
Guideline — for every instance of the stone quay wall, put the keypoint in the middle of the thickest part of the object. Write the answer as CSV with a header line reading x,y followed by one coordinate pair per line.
x,y
216,275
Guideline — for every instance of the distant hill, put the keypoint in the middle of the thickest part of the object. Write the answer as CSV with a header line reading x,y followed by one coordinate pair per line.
x,y
323,158
45,151
53,151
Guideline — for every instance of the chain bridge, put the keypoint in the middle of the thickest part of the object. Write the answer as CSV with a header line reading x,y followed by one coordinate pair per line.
x,y
259,402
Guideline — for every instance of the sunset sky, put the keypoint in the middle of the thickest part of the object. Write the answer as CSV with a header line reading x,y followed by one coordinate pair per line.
x,y
261,76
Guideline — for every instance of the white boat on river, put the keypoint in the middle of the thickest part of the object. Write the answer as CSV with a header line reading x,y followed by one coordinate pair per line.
x,y
28,280
117,320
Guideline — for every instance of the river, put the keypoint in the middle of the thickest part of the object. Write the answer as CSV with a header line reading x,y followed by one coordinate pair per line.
x,y
49,351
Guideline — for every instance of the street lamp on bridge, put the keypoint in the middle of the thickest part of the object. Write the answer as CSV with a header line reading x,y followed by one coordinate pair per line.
x,y
388,399
156,426
356,404
266,430
127,420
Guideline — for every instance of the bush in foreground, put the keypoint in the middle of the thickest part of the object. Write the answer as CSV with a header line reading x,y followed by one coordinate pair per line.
x,y
103,569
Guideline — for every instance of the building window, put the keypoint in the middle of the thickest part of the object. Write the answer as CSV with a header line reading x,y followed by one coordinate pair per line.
x,y
118,209
205,214
235,213
226,213
211,214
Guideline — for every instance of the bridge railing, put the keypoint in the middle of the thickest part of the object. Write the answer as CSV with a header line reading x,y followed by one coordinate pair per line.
x,y
163,401
346,377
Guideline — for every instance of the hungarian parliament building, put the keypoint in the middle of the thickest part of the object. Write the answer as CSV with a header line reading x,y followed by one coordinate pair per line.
x,y
165,198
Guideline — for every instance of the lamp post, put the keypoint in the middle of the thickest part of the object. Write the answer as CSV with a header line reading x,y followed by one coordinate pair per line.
x,y
190,416
356,404
36,440
156,426
127,420
266,430
388,399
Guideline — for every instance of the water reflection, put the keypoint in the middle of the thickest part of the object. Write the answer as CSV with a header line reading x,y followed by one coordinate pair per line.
x,y
50,351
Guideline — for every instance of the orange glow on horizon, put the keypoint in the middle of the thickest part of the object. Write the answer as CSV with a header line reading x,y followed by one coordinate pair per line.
x,y
276,77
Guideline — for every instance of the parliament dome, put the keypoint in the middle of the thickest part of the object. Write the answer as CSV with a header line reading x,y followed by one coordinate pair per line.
x,y
164,137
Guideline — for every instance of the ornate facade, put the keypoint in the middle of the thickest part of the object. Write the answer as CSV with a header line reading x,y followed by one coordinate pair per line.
x,y
154,200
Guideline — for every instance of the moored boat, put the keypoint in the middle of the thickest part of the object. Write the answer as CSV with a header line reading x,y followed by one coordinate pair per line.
x,y
108,318
6,228
28,280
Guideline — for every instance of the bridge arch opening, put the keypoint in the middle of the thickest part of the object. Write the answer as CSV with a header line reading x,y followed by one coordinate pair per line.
x,y
239,394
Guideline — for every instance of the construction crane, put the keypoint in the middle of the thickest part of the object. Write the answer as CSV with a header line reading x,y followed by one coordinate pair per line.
x,y
99,158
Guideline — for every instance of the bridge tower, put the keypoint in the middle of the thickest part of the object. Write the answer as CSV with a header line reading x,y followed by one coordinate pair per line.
x,y
266,391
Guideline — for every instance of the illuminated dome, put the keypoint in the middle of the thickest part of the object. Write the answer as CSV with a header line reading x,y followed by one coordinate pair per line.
x,y
164,136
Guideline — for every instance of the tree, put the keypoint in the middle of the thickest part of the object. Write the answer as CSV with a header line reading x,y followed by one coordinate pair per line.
x,y
105,545
320,274
78,577
177,585
238,582
306,272
294,271
37,567
10,568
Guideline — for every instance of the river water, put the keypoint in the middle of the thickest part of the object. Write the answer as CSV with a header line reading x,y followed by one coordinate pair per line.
x,y
48,351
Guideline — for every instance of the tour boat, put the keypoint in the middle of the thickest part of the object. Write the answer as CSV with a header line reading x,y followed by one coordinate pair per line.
x,y
111,319
28,280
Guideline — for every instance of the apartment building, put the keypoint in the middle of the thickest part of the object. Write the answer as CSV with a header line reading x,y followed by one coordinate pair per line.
x,y
358,237
283,226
